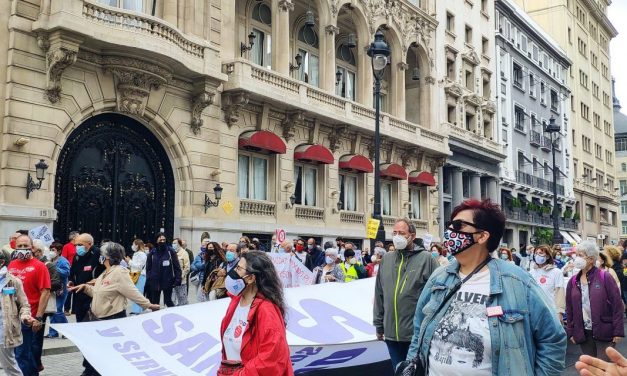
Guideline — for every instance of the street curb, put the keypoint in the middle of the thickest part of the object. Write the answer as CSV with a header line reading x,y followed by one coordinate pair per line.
x,y
60,350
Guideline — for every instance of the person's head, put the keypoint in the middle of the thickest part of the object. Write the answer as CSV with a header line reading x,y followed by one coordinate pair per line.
x,y
377,254
84,242
72,236
138,245
242,247
160,238
339,241
148,246
12,239
39,249
244,239
586,253
543,255
111,253
391,248
55,250
311,244
604,261
331,255
23,247
349,246
613,252
231,252
379,244
214,248
273,239
475,226
404,233
300,245
176,244
257,270
287,246
624,244
184,243
4,261
204,242
349,256
437,250
505,254
327,245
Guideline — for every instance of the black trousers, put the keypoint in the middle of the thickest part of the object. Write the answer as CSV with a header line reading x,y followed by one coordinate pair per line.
x,y
155,297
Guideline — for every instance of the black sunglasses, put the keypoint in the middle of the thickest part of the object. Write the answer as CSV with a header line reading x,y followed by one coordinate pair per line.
x,y
458,224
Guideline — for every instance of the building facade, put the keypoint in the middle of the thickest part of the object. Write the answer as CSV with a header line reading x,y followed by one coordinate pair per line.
x,y
466,81
582,29
140,109
532,82
620,137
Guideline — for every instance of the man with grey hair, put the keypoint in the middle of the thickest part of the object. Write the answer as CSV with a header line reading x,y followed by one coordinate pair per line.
x,y
69,252
85,268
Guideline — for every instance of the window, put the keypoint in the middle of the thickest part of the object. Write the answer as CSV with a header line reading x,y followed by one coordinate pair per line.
x,y
623,210
570,36
621,144
414,199
606,99
348,192
484,6
261,52
604,71
306,179
252,177
519,115
518,75
590,212
623,167
386,198
574,138
595,60
135,5
623,186
450,68
596,120
485,46
624,227
468,35
607,127
583,79
543,93
583,47
532,85
585,141
486,87
308,50
595,90
585,111
347,67
450,22
554,100
470,121
469,78
452,114
598,151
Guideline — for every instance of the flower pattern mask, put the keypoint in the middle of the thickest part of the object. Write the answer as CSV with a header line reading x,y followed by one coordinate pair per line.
x,y
458,241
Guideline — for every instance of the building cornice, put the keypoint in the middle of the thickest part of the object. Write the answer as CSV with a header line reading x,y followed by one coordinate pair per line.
x,y
601,17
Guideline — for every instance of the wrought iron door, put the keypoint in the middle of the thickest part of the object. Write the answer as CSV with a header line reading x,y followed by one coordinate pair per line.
x,y
114,181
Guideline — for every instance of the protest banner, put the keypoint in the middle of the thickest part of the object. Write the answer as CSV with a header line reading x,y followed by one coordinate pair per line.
x,y
372,227
329,327
291,271
43,232
427,239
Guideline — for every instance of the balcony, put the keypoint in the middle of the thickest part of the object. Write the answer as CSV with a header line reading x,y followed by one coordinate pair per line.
x,y
309,213
269,86
257,208
535,138
475,139
351,217
536,219
546,143
537,182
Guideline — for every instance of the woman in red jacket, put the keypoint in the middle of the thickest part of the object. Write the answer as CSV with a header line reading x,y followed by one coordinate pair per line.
x,y
253,330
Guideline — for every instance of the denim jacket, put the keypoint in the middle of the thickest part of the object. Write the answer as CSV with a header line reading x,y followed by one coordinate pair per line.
x,y
526,340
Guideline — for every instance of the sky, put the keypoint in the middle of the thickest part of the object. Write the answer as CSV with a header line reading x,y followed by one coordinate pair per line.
x,y
617,12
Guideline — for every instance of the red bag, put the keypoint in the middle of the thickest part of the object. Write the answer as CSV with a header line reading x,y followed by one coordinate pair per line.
x,y
229,367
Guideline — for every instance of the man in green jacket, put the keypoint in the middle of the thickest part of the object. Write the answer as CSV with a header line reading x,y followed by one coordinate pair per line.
x,y
401,277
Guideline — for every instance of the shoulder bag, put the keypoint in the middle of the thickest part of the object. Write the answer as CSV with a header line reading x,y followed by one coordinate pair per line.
x,y
415,367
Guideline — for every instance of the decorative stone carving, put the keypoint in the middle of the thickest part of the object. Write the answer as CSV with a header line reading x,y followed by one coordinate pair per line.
x,y
472,57
473,99
332,30
292,119
430,80
204,97
434,163
408,154
403,66
286,5
134,81
336,135
232,104
489,107
454,90
335,8
61,52
373,9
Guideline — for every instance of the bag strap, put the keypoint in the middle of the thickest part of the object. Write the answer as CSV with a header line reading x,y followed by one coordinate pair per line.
x,y
448,296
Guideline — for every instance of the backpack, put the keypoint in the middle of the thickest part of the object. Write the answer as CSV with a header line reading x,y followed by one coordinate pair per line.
x,y
56,284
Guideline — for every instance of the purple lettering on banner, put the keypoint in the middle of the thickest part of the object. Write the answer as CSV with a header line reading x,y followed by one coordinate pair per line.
x,y
191,349
337,357
166,333
304,353
136,356
326,330
111,332
126,346
209,364
145,364
159,372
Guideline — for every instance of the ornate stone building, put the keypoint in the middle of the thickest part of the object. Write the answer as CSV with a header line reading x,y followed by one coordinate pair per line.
x,y
141,108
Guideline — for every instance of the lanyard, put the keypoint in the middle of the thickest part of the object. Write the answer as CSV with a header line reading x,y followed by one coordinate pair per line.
x,y
459,284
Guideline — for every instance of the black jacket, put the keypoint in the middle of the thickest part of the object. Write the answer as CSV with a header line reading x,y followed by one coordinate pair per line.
x,y
160,276
314,258
84,269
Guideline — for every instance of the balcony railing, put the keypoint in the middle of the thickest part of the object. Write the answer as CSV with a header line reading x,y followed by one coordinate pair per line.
x,y
309,213
388,221
546,143
351,217
474,138
535,138
533,218
537,182
252,207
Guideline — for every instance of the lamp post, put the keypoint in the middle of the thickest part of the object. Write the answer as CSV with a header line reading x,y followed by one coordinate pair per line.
x,y
379,53
551,129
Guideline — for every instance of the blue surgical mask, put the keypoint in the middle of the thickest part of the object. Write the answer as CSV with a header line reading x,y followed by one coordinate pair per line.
x,y
80,250
230,256
281,250
435,254
504,256
539,259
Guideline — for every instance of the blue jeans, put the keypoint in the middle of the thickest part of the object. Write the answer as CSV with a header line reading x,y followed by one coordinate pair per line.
x,y
398,351
141,282
59,316
24,353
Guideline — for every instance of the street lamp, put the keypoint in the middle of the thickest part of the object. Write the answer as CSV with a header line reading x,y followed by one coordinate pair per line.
x,y
553,128
379,53
40,174
217,191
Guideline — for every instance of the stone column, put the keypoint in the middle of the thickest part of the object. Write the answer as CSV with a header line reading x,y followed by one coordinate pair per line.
x,y
327,60
475,186
457,185
493,191
170,11
399,104
281,36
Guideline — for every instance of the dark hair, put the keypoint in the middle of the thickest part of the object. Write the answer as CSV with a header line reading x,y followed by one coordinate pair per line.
x,y
246,239
410,226
487,216
349,253
23,232
440,249
268,282
339,239
178,241
547,251
160,234
506,250
327,245
217,249
149,246
607,261
114,251
58,246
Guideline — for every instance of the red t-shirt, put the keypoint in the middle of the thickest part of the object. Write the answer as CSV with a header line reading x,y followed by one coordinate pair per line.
x,y
34,276
69,251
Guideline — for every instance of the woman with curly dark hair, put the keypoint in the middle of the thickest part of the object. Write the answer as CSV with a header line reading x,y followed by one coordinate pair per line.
x,y
253,330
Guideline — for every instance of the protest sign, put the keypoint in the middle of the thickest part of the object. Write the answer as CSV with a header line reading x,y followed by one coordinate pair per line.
x,y
372,227
43,233
329,327
280,235
292,272
427,239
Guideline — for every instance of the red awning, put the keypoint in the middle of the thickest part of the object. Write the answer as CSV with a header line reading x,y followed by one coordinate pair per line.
x,y
314,153
422,177
262,141
393,171
356,162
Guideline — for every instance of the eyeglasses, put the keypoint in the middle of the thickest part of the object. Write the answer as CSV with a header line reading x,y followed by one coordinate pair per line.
x,y
458,224
79,244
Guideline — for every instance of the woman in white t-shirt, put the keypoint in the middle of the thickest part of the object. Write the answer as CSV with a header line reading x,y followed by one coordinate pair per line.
x,y
549,277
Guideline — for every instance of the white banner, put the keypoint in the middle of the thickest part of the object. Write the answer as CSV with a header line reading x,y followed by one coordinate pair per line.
x,y
329,326
42,232
292,272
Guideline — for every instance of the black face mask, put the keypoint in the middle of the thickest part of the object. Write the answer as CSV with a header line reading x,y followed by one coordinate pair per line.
x,y
161,246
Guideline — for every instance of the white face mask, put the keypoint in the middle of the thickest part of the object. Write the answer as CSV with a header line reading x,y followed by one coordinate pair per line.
x,y
598,263
53,255
134,247
580,262
400,242
373,258
353,261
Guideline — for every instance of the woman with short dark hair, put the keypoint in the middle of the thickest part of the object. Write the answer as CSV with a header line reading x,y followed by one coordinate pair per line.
x,y
253,330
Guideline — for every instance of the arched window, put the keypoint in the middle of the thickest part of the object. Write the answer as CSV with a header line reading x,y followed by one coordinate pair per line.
x,y
261,24
308,45
347,71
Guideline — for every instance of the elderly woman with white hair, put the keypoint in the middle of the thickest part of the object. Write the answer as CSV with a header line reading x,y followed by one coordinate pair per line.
x,y
593,305
373,268
330,271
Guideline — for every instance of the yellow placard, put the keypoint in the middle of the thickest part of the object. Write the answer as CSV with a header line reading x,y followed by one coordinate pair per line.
x,y
227,207
372,227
